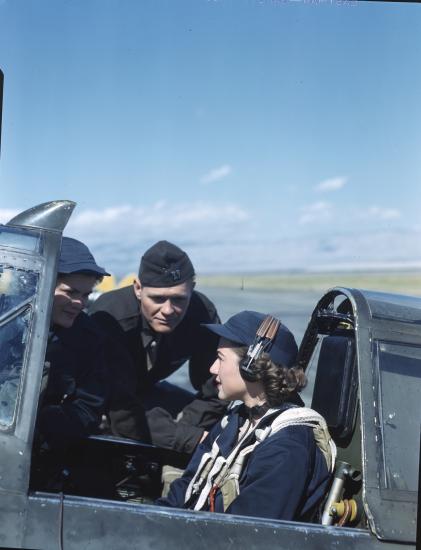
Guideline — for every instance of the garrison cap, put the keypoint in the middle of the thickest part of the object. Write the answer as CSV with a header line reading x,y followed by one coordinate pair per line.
x,y
75,257
241,328
165,265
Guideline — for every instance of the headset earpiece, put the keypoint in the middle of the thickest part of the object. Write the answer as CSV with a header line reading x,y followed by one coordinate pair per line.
x,y
263,341
247,370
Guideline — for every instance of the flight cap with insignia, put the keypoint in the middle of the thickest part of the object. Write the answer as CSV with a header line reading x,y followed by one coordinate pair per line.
x,y
165,265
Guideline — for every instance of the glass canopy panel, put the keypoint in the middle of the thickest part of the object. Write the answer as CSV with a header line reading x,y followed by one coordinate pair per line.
x,y
22,239
17,291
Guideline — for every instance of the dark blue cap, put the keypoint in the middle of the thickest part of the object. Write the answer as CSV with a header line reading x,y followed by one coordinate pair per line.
x,y
75,257
241,328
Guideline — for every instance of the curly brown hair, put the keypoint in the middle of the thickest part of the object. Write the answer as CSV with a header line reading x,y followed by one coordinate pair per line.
x,y
279,382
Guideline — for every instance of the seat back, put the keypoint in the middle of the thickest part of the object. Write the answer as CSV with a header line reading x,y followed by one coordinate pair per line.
x,y
336,383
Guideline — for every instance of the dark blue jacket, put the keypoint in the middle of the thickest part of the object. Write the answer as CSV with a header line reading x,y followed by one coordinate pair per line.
x,y
119,316
74,398
285,477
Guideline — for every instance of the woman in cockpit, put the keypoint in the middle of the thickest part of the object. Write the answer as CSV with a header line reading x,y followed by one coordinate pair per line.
x,y
269,456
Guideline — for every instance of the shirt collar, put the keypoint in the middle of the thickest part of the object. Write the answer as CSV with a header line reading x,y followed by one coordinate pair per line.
x,y
147,334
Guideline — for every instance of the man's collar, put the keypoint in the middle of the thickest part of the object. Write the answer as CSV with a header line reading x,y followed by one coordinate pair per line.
x,y
148,335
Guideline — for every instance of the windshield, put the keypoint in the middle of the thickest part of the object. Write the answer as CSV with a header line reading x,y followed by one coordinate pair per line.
x,y
17,291
399,396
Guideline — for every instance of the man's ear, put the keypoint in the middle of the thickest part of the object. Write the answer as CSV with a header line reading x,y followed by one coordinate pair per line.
x,y
193,283
137,287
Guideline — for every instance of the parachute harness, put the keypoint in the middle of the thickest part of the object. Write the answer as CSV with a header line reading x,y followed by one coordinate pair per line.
x,y
215,472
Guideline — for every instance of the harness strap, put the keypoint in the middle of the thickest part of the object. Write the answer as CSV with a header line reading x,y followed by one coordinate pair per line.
x,y
205,466
217,472
213,468
202,471
220,468
230,486
304,416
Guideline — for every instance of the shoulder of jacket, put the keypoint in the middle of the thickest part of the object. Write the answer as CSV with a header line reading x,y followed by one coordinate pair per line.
x,y
202,308
120,303
85,323
298,437
84,333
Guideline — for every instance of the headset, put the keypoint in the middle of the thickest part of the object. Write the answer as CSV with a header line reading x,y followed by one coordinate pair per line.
x,y
263,341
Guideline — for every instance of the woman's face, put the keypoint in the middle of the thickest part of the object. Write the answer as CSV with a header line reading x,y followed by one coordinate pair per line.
x,y
226,369
71,296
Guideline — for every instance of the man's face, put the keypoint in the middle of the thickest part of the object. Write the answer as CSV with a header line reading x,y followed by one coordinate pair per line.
x,y
70,297
164,308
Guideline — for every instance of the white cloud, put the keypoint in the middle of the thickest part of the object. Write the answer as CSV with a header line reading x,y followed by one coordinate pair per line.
x,y
160,216
120,234
216,174
348,251
380,213
375,249
127,225
107,215
320,211
6,214
222,237
331,184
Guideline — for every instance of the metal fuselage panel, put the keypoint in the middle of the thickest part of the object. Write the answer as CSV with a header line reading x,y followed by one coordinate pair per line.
x,y
98,525
395,320
16,440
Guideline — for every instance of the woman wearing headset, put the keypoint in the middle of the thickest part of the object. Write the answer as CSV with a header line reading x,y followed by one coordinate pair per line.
x,y
269,456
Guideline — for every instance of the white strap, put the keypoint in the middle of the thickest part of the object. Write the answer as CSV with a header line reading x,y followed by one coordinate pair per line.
x,y
214,469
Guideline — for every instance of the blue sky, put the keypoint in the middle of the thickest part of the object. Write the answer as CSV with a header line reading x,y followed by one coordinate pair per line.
x,y
258,135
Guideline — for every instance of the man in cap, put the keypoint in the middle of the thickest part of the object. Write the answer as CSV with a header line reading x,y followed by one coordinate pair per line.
x,y
153,328
74,382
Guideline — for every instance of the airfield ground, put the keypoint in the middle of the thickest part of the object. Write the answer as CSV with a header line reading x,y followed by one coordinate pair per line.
x,y
402,282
